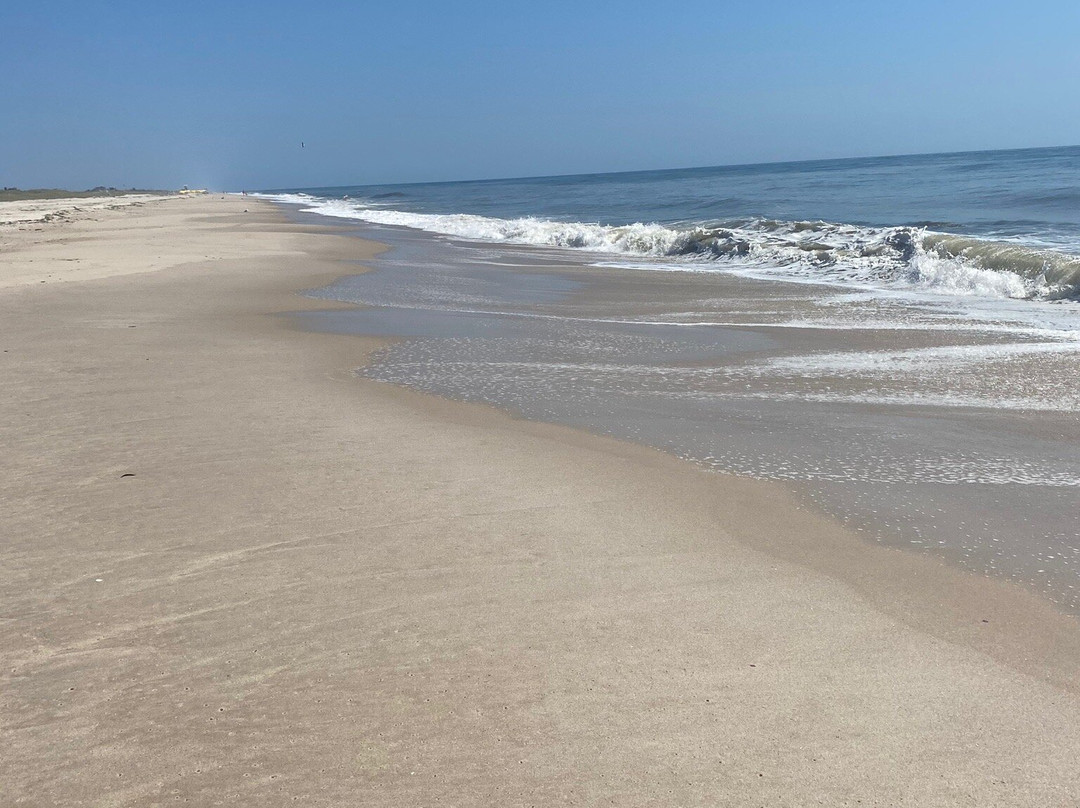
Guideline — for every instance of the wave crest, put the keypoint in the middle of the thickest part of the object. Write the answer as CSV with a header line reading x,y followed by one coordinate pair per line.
x,y
899,256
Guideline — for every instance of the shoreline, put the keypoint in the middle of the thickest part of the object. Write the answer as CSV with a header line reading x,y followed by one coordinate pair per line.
x,y
423,598
950,482
1008,621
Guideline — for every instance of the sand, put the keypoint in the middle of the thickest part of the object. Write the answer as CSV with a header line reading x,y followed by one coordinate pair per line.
x,y
233,573
31,212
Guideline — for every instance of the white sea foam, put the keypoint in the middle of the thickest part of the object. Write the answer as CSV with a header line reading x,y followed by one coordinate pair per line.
x,y
956,277
812,252
911,361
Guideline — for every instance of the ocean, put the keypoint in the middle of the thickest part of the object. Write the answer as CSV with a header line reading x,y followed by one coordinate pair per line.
x,y
897,338
1002,224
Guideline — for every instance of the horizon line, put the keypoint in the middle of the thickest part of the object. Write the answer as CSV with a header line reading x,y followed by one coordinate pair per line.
x,y
676,168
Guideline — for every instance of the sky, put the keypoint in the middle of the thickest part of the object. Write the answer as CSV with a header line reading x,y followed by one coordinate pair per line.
x,y
221,95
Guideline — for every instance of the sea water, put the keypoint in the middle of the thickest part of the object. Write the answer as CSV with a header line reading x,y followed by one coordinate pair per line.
x,y
1002,224
897,337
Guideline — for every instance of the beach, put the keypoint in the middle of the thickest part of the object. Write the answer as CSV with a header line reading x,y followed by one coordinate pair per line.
x,y
238,572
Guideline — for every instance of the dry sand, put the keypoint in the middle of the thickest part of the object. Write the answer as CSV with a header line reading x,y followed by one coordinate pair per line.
x,y
32,212
232,573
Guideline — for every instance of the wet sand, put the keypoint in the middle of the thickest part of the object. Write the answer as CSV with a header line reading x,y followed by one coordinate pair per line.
x,y
235,573
917,424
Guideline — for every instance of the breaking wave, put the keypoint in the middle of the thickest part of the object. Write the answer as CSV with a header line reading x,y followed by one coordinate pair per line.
x,y
910,256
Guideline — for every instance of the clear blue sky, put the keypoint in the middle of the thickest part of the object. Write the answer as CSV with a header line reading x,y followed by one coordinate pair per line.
x,y
221,94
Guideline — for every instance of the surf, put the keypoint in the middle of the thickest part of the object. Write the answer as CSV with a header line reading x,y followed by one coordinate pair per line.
x,y
894,257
